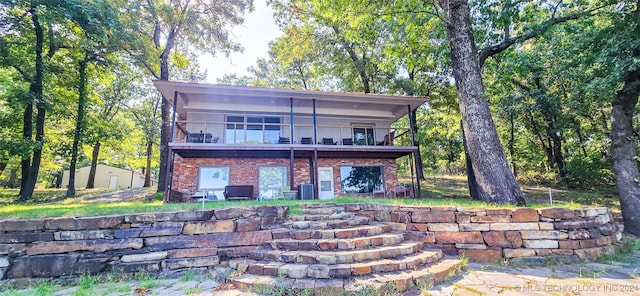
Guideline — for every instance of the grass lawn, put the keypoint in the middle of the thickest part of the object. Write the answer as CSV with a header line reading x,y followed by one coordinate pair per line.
x,y
436,191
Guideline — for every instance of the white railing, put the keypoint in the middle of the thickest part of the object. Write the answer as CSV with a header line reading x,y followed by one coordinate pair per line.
x,y
208,132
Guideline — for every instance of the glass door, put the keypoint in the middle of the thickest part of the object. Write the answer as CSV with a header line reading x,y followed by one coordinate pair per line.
x,y
325,181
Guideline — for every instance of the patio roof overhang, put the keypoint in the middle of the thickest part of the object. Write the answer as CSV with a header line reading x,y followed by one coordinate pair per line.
x,y
190,150
204,97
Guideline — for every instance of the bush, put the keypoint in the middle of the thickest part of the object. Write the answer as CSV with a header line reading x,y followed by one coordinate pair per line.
x,y
588,172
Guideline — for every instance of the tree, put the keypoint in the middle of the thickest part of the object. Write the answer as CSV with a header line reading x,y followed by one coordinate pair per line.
x,y
116,89
95,20
617,48
166,27
29,31
147,119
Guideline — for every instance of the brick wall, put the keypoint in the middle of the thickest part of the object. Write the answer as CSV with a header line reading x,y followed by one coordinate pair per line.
x,y
244,171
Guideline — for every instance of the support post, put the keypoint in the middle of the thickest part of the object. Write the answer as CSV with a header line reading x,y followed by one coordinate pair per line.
x,y
168,175
314,174
416,166
291,120
315,123
291,167
173,116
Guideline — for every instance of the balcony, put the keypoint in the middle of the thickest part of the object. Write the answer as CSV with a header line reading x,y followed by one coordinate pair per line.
x,y
270,138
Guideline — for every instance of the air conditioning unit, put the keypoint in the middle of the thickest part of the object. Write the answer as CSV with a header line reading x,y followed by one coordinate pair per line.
x,y
305,191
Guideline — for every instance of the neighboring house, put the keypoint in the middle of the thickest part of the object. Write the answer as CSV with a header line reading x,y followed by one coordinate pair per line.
x,y
277,139
107,177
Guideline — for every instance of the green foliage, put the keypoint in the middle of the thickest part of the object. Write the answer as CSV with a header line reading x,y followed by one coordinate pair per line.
x,y
589,172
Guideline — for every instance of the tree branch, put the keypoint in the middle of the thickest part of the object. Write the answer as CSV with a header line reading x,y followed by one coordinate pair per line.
x,y
490,51
24,74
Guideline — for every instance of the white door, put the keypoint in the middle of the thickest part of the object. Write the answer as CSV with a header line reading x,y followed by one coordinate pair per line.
x,y
325,181
113,182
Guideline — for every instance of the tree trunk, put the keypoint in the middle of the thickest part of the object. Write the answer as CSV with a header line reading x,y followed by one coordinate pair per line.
x,y
418,156
82,71
27,134
512,149
94,165
471,178
557,152
147,171
12,182
3,165
165,111
494,177
623,148
30,168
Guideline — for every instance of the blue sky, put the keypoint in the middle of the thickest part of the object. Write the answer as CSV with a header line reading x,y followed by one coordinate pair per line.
x,y
254,35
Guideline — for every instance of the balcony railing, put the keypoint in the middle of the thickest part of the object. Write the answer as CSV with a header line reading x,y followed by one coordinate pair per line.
x,y
245,133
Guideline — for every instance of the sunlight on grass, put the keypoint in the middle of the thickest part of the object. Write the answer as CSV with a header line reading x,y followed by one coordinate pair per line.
x,y
440,190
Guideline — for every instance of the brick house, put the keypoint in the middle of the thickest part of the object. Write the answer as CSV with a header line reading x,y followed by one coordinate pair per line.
x,y
277,139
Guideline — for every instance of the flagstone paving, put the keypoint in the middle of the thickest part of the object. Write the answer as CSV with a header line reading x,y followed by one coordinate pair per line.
x,y
477,279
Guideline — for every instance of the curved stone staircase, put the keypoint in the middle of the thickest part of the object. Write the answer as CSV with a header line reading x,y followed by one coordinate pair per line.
x,y
330,251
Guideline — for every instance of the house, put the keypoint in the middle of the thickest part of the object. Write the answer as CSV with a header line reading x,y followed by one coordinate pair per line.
x,y
276,140
107,177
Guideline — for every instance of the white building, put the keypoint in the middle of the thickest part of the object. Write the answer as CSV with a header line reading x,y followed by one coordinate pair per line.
x,y
107,177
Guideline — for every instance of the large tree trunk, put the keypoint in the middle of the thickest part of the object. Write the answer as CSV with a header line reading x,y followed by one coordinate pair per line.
x,y
623,148
494,177
165,114
27,134
82,71
94,165
30,168
471,178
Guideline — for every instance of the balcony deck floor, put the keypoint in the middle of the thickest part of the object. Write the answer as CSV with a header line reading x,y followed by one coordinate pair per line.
x,y
206,150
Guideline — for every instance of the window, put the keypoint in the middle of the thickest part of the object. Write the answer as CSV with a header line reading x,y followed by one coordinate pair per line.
x,y
212,181
363,135
252,130
235,131
361,179
272,182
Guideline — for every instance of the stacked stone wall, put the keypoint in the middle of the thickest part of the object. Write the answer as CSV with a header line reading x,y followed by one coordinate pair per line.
x,y
485,234
154,242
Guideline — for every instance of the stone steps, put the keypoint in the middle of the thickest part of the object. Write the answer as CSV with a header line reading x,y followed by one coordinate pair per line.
x,y
430,274
323,217
337,257
290,244
341,270
327,224
339,233
331,250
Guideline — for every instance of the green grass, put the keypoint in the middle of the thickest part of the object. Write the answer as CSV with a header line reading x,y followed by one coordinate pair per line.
x,y
9,196
435,191
41,289
72,208
625,251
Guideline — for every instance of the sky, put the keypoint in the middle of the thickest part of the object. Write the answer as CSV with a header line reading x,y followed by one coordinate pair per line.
x,y
254,35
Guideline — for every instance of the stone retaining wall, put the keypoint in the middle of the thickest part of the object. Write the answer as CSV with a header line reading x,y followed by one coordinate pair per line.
x,y
55,247
485,234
